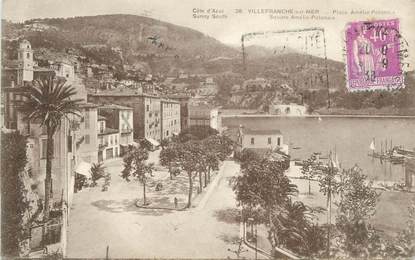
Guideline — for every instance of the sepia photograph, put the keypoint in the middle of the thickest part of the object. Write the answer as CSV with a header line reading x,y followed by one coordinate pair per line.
x,y
207,129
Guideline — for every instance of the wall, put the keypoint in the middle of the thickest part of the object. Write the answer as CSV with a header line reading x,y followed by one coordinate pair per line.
x,y
112,148
170,112
152,118
135,102
126,123
87,149
261,141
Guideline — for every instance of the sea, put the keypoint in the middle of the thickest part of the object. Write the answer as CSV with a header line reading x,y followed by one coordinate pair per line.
x,y
347,136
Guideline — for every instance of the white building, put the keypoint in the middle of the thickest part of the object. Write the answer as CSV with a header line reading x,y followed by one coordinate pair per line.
x,y
108,141
267,139
288,110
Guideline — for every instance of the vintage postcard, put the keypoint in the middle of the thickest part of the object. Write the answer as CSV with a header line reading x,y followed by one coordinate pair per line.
x,y
196,129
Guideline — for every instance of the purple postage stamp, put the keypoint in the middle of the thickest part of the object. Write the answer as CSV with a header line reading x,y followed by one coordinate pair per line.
x,y
373,55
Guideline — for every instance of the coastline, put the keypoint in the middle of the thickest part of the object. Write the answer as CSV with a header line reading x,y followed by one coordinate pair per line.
x,y
317,116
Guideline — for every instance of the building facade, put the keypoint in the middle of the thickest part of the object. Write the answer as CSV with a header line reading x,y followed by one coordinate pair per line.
x,y
184,109
86,140
288,110
108,141
120,118
146,111
204,115
170,118
260,139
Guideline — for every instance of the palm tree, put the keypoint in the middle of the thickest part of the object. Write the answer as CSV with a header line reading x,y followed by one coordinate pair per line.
x,y
97,172
49,102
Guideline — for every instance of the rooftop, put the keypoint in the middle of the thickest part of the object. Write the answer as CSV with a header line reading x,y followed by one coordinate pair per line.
x,y
88,105
114,106
108,131
121,93
169,101
261,131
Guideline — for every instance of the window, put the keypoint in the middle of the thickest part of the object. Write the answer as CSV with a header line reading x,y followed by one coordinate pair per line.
x,y
279,141
252,140
116,140
167,133
44,148
87,119
269,140
28,55
148,108
101,127
69,142
111,140
87,139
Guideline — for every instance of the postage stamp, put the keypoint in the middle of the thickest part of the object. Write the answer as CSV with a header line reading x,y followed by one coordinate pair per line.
x,y
373,55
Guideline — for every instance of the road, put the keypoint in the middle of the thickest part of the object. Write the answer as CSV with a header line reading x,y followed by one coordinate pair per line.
x,y
110,218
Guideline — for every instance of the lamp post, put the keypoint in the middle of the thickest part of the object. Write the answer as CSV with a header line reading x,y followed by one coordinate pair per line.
x,y
252,221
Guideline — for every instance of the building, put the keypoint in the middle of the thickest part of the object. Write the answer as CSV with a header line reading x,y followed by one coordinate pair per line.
x,y
204,115
85,136
65,70
257,84
170,118
146,111
108,140
184,109
15,74
74,142
268,139
120,118
288,110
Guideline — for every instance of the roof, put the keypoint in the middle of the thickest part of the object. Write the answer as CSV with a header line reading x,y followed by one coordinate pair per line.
x,y
114,106
123,93
109,131
261,131
42,69
178,96
88,105
169,101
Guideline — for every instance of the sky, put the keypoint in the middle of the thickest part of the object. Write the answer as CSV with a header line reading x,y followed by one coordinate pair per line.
x,y
230,29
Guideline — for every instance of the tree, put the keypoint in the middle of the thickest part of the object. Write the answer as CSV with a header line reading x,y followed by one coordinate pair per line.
x,y
196,132
212,161
20,203
309,169
404,244
164,143
189,161
97,172
264,184
169,156
329,186
297,230
135,165
49,102
356,207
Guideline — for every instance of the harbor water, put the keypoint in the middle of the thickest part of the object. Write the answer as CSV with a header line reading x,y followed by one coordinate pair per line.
x,y
349,137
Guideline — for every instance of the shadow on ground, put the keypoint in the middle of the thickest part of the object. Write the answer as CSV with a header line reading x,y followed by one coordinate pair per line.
x,y
228,215
127,205
229,239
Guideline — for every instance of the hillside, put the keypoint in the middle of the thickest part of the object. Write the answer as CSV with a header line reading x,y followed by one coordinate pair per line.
x,y
122,39
146,45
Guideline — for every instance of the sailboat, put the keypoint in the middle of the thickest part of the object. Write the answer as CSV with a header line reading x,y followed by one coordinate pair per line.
x,y
372,148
